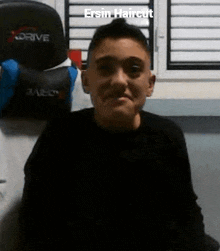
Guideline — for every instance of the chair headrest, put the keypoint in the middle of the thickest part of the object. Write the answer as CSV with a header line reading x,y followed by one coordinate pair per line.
x,y
31,33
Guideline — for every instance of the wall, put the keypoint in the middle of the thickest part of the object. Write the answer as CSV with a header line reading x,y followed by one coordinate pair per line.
x,y
203,143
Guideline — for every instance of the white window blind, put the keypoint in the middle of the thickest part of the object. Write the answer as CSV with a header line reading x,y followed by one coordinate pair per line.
x,y
193,35
80,30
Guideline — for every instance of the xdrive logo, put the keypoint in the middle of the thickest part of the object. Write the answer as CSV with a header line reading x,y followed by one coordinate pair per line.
x,y
32,36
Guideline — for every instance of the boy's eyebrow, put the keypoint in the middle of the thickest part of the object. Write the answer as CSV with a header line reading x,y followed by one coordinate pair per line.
x,y
103,59
110,58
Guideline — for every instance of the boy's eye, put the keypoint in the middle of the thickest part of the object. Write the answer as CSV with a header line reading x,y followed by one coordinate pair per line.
x,y
135,68
105,69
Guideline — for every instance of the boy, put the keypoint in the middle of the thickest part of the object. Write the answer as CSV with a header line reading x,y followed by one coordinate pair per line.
x,y
112,177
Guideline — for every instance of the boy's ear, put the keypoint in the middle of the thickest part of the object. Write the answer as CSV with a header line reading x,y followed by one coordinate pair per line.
x,y
151,84
84,80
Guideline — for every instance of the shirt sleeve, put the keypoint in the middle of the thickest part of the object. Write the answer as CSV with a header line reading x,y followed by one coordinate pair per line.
x,y
187,227
40,218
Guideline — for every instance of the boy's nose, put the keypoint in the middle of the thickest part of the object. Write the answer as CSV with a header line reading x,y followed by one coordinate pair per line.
x,y
120,78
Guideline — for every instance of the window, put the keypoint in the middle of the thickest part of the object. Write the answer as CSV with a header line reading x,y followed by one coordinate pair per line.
x,y
184,35
188,40
193,35
84,16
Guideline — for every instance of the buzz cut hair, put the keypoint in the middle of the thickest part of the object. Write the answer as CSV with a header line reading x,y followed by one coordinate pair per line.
x,y
117,29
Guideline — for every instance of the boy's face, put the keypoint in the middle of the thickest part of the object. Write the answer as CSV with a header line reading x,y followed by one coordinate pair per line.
x,y
118,79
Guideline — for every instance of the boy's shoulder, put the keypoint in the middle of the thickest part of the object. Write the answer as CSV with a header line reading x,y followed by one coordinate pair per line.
x,y
161,124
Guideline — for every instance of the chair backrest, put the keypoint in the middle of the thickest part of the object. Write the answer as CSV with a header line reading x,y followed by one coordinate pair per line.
x,y
31,33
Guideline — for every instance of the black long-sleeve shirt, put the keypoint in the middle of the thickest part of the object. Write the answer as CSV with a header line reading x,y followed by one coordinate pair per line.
x,y
93,189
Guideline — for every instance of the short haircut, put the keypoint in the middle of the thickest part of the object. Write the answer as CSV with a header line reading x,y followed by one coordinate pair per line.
x,y
118,28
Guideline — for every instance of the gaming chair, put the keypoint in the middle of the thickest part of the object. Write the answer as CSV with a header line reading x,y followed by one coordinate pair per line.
x,y
32,46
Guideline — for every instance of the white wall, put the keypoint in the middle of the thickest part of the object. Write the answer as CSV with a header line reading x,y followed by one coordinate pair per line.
x,y
202,135
204,156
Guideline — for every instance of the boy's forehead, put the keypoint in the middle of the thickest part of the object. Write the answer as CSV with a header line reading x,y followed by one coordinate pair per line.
x,y
123,43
